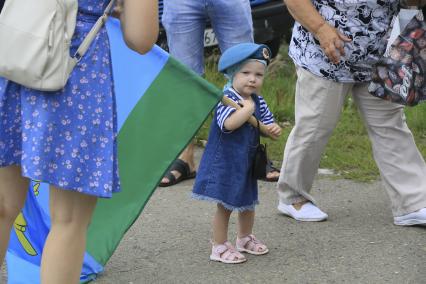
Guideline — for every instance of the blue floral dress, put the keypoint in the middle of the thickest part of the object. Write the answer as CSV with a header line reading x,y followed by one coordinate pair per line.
x,y
66,138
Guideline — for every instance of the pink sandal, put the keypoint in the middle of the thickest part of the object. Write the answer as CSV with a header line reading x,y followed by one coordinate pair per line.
x,y
251,245
226,253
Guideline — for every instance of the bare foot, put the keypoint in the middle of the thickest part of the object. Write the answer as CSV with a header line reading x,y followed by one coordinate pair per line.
x,y
273,175
299,205
177,174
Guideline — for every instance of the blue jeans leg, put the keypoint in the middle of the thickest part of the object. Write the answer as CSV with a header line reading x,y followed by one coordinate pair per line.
x,y
185,22
231,21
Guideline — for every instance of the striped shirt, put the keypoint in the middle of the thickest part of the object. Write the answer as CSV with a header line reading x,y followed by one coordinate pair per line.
x,y
224,111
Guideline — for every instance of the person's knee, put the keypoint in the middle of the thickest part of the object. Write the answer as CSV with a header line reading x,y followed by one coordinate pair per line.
x,y
314,132
69,220
69,223
69,209
9,212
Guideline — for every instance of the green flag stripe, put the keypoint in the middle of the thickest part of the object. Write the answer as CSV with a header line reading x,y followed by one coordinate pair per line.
x,y
159,127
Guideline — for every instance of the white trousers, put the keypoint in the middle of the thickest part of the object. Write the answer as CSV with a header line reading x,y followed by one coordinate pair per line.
x,y
318,105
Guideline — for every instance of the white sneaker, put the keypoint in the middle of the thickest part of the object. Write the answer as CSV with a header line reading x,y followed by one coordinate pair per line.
x,y
308,212
411,219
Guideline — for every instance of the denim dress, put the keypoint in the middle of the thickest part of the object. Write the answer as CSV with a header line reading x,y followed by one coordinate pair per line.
x,y
225,172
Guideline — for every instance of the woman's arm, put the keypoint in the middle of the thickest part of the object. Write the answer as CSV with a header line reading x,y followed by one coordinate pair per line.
x,y
139,22
305,13
331,40
418,3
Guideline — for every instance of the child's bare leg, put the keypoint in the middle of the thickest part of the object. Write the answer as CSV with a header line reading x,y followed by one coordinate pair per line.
x,y
220,224
63,252
245,223
246,241
13,191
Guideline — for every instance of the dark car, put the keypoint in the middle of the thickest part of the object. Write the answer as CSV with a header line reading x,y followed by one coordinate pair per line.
x,y
271,23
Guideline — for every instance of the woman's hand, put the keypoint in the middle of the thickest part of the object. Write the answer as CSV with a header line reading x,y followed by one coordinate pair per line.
x,y
332,42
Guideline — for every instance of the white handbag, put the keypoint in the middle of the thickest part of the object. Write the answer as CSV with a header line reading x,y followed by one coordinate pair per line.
x,y
35,39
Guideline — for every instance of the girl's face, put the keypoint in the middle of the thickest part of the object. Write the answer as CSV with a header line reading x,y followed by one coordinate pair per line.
x,y
249,78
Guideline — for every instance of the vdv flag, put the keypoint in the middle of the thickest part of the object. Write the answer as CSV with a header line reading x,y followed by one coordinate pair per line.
x,y
160,106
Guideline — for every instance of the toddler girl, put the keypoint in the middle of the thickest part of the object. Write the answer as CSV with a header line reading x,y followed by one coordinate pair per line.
x,y
225,173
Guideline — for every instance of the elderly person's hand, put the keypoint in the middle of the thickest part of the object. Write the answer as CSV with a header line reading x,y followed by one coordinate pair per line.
x,y
332,41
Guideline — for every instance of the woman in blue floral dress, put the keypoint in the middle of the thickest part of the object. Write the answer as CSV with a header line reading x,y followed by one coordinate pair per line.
x,y
68,139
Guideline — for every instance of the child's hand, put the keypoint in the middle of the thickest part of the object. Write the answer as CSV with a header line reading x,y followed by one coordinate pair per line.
x,y
241,115
248,105
274,130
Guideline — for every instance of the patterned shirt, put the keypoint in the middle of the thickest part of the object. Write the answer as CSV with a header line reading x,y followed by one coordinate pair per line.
x,y
224,111
366,22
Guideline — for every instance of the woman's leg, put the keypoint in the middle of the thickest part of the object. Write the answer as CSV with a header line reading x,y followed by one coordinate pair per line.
x,y
63,252
245,223
220,224
401,165
319,103
13,191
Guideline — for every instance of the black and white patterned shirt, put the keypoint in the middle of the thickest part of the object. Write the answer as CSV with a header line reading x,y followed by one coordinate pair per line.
x,y
364,21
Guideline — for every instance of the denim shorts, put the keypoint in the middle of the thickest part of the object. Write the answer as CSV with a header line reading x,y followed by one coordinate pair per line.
x,y
185,22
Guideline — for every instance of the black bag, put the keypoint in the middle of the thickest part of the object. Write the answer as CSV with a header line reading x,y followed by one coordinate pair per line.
x,y
260,159
1,4
399,76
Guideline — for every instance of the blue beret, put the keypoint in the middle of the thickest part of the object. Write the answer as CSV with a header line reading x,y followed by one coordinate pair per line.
x,y
241,52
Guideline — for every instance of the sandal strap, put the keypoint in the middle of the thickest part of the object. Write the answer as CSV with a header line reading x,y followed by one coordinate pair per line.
x,y
270,168
230,246
229,255
225,252
180,166
220,249
171,177
250,242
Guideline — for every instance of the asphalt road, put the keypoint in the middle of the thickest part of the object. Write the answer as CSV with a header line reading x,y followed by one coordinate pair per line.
x,y
358,244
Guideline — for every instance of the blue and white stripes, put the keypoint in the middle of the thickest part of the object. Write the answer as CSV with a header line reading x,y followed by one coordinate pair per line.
x,y
224,111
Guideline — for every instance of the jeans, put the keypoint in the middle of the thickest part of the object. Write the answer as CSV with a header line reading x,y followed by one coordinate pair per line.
x,y
185,22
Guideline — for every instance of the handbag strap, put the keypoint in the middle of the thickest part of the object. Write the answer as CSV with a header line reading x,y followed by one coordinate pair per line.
x,y
84,46
258,131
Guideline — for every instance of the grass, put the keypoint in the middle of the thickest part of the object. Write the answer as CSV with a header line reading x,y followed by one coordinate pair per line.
x,y
348,152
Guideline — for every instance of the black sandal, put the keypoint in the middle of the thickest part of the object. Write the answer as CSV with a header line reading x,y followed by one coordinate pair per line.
x,y
181,167
271,169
